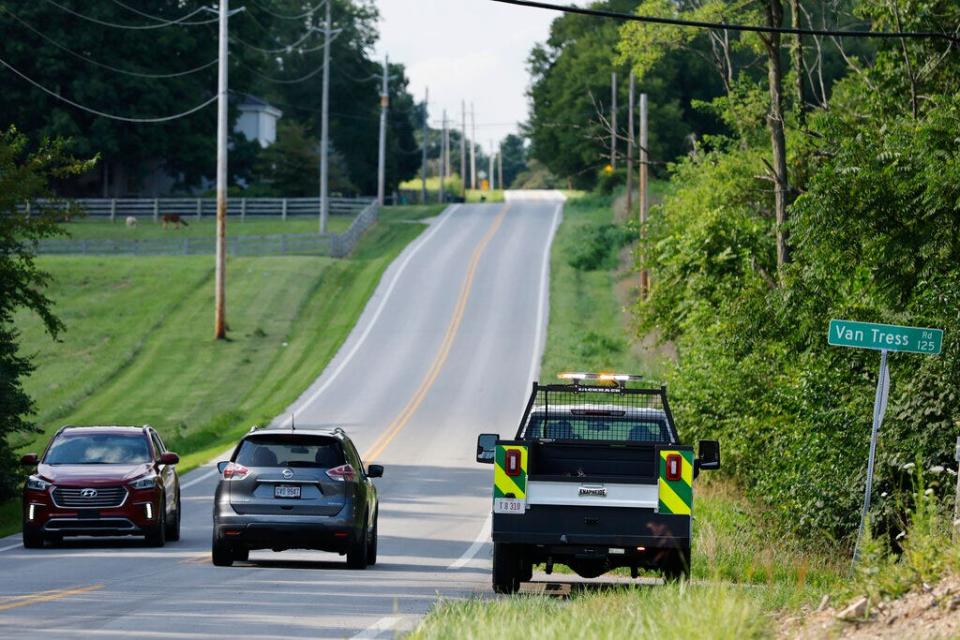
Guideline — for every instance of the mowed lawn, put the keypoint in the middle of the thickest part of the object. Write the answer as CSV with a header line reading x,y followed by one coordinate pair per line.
x,y
139,344
89,228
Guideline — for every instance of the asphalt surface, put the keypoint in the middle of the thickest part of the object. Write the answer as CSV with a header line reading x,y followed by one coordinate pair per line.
x,y
446,349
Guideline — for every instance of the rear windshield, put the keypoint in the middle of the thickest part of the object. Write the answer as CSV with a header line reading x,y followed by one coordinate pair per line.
x,y
99,448
594,427
290,451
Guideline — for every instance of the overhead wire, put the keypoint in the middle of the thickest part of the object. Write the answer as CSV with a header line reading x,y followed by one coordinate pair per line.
x,y
179,21
287,17
101,64
283,49
839,33
104,114
167,20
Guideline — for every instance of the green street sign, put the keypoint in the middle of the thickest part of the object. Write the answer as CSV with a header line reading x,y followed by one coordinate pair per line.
x,y
885,337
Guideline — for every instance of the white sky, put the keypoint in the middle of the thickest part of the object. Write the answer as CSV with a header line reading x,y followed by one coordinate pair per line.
x,y
473,50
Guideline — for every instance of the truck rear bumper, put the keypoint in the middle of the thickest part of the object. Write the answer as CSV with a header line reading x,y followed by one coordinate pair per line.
x,y
593,527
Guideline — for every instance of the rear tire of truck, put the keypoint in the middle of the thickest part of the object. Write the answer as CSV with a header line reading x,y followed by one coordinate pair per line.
x,y
507,569
677,567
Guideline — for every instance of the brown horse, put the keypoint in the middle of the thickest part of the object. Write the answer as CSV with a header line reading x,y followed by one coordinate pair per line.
x,y
174,219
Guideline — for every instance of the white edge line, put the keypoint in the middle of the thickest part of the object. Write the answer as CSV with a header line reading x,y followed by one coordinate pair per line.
x,y
373,320
208,474
13,546
474,549
542,307
378,627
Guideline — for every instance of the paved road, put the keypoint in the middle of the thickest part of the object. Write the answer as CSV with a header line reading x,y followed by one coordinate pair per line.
x,y
446,349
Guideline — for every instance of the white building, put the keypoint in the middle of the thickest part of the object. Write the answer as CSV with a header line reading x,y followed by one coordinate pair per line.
x,y
258,120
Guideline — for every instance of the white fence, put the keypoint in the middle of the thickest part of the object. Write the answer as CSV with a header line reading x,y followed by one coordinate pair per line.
x,y
114,208
325,244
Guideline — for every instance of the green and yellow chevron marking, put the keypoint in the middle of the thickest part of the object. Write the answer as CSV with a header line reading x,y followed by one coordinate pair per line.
x,y
504,484
676,497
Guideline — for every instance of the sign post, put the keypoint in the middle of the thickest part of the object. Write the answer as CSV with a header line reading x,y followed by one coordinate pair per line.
x,y
882,338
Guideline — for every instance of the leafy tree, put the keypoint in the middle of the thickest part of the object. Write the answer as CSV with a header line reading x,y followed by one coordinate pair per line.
x,y
514,158
24,176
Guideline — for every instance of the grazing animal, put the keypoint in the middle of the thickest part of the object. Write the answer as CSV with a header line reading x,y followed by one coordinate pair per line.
x,y
131,222
175,220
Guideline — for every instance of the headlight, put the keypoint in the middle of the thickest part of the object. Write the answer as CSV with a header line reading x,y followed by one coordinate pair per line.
x,y
146,482
36,483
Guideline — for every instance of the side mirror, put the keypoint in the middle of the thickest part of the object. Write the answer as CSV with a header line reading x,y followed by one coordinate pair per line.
x,y
29,459
709,458
222,465
169,458
487,447
375,471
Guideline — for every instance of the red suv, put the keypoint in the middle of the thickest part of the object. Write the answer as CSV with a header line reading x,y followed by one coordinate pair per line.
x,y
102,481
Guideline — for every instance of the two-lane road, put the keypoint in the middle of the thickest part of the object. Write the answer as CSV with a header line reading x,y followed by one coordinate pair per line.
x,y
446,349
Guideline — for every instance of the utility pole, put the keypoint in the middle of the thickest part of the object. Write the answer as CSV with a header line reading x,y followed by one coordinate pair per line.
x,y
423,151
325,122
473,148
644,197
463,150
384,103
500,168
493,185
443,159
448,163
220,321
613,120
630,149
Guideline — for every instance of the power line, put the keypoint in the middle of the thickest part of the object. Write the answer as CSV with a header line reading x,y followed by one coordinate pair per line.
x,y
601,13
178,21
283,49
166,20
101,113
306,13
284,80
101,64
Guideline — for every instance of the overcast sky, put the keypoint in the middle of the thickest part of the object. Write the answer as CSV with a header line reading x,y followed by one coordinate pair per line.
x,y
473,50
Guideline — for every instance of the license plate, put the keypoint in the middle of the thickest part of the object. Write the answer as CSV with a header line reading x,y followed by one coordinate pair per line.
x,y
286,491
509,505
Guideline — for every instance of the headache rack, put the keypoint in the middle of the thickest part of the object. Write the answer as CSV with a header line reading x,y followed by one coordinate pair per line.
x,y
598,407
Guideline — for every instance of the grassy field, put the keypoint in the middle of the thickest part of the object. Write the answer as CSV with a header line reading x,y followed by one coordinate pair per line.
x,y
743,573
100,228
138,346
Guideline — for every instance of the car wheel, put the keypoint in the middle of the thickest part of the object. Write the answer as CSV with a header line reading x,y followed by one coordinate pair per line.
x,y
506,568
173,526
357,553
157,536
222,552
241,554
372,544
32,538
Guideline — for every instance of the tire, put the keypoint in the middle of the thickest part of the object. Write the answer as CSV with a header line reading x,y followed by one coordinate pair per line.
x,y
372,544
357,553
173,528
241,554
222,552
32,538
677,567
157,536
506,568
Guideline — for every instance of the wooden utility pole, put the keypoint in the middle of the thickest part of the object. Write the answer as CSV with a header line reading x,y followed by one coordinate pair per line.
x,y
325,123
473,148
443,158
493,185
613,120
630,148
220,319
463,150
644,197
382,158
423,150
500,168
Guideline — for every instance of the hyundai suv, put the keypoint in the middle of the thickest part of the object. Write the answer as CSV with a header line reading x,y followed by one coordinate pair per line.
x,y
285,489
102,481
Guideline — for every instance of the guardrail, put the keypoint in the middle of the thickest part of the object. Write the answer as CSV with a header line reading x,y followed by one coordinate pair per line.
x,y
114,208
323,244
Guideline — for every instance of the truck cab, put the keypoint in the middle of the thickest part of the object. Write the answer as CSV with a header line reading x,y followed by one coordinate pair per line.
x,y
595,478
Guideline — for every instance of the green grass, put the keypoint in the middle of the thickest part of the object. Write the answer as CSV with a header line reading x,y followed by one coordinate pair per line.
x,y
139,349
99,228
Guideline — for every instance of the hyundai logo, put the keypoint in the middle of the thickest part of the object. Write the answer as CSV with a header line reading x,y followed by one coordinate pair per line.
x,y
287,474
88,493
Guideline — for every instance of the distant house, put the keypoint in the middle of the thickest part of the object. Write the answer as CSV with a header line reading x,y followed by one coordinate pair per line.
x,y
258,120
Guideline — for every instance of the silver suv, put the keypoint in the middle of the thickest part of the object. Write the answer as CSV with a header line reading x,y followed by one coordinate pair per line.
x,y
285,489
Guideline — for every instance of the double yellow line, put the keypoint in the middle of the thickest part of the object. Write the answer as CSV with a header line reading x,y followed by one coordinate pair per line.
x,y
417,399
46,596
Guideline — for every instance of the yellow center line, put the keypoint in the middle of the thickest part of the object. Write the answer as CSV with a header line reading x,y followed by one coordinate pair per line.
x,y
404,417
48,596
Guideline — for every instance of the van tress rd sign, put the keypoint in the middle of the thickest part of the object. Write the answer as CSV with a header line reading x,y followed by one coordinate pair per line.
x,y
885,337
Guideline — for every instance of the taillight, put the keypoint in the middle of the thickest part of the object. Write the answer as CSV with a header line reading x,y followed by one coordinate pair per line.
x,y
341,473
674,466
234,471
511,462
